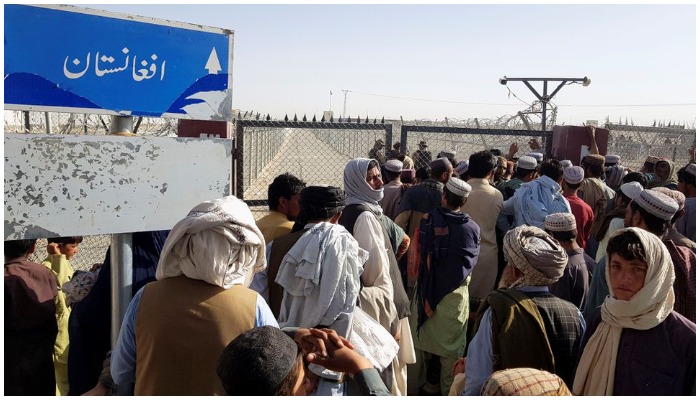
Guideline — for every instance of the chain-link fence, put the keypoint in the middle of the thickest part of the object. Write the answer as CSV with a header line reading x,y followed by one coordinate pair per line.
x,y
466,141
81,124
91,251
315,152
634,143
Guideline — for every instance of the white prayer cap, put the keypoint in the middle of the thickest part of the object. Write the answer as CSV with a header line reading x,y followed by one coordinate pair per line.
x,y
458,187
461,167
674,194
566,163
393,165
690,168
657,204
536,155
527,162
560,222
573,175
631,189
612,159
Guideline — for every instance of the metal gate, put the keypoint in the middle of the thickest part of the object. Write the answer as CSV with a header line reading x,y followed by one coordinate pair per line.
x,y
315,152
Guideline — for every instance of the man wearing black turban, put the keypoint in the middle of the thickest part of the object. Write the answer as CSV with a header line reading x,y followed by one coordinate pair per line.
x,y
317,203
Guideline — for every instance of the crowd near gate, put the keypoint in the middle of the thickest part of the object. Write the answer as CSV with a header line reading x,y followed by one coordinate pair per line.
x,y
317,151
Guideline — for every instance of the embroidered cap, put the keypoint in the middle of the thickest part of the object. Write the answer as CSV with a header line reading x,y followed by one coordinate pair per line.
x,y
595,159
657,204
612,159
560,222
440,162
674,194
257,362
394,165
566,163
526,162
461,167
450,154
690,168
651,159
573,175
408,175
631,189
458,187
536,155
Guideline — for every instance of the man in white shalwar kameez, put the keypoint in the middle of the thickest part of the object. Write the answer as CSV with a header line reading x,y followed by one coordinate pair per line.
x,y
382,295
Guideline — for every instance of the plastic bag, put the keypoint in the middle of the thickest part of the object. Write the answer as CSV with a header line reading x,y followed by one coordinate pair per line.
x,y
372,341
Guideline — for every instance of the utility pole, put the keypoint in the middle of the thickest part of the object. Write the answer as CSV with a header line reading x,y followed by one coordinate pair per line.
x,y
544,98
345,101
330,101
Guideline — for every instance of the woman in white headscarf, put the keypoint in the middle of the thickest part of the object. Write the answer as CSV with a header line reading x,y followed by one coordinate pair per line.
x,y
637,345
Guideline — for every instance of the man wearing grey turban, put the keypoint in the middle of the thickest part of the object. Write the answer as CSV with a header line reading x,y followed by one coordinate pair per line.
x,y
521,324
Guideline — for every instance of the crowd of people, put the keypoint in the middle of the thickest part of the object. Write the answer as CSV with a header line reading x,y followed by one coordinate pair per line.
x,y
489,275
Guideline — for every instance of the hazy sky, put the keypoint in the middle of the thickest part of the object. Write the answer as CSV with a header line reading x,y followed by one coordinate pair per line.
x,y
641,58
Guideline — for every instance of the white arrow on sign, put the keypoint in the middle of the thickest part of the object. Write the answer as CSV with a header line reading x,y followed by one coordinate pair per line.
x,y
213,64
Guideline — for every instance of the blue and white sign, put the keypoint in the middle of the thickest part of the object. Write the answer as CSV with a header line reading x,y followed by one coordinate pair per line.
x,y
70,59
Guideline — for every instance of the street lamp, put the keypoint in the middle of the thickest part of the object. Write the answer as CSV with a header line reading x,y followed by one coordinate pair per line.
x,y
544,98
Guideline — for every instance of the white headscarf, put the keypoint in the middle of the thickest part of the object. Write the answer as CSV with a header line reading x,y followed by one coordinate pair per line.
x,y
595,375
356,186
217,242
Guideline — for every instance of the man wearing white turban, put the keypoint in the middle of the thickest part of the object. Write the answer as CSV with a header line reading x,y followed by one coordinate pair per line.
x,y
636,344
522,324
175,329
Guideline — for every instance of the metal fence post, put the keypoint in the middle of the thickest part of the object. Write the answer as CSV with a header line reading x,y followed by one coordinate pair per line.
x,y
48,122
389,140
240,145
404,140
121,259
27,123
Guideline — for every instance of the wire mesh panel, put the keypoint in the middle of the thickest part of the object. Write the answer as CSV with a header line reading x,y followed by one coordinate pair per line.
x,y
466,141
634,143
314,152
91,251
81,124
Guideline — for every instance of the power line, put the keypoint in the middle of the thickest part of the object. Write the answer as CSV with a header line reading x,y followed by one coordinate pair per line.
x,y
524,102
430,100
631,105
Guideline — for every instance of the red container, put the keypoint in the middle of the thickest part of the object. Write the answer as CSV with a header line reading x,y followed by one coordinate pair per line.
x,y
197,128
573,142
